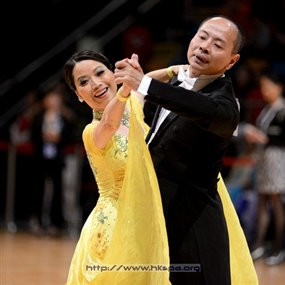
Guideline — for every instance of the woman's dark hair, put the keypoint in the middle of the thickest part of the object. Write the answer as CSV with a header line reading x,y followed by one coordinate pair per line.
x,y
80,56
274,75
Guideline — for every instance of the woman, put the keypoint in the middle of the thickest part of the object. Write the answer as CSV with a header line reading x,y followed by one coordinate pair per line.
x,y
126,227
269,137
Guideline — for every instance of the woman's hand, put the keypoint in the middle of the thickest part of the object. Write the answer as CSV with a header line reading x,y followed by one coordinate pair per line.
x,y
254,135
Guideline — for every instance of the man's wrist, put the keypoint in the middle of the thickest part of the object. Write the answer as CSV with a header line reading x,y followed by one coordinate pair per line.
x,y
170,72
144,85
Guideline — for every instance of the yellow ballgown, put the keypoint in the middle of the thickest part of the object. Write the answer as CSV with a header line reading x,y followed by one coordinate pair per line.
x,y
241,264
126,227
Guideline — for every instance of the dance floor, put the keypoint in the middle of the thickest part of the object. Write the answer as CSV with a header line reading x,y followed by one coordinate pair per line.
x,y
26,259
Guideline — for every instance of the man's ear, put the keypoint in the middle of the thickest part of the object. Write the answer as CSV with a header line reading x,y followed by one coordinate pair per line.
x,y
234,59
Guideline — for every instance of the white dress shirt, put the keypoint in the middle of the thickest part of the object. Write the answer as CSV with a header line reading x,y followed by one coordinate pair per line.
x,y
187,82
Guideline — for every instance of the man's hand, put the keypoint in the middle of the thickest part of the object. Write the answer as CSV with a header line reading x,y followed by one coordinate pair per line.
x,y
134,62
129,72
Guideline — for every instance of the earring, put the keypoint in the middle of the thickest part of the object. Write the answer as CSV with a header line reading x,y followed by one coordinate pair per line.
x,y
80,99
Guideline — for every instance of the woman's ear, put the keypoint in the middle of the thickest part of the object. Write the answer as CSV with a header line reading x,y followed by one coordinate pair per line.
x,y
79,97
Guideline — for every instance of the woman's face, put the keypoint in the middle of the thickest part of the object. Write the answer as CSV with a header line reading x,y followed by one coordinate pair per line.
x,y
94,83
270,90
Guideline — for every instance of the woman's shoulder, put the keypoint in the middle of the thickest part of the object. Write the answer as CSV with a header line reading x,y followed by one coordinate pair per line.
x,y
88,140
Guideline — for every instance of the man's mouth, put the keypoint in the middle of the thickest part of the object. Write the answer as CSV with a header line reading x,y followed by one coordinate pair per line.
x,y
201,58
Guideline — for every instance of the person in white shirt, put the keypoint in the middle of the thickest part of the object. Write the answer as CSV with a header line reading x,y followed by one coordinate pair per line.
x,y
199,116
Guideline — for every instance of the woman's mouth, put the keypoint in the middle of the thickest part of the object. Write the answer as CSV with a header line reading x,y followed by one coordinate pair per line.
x,y
101,93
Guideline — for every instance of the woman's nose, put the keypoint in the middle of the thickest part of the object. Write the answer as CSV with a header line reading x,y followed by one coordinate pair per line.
x,y
95,83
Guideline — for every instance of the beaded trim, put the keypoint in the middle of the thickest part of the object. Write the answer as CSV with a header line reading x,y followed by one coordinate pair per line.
x,y
125,119
97,114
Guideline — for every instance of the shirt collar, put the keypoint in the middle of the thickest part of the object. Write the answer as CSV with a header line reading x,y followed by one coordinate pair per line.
x,y
196,83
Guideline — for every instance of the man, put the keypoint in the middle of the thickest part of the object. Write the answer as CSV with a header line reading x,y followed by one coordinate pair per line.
x,y
187,144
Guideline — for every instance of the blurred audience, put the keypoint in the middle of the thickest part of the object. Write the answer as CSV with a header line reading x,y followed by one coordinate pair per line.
x,y
268,136
51,132
20,136
20,129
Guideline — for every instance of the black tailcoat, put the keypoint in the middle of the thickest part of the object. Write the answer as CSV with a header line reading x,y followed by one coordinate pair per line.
x,y
187,153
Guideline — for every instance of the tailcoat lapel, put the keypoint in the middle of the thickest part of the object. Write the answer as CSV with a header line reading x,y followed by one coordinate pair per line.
x,y
164,124
174,81
153,124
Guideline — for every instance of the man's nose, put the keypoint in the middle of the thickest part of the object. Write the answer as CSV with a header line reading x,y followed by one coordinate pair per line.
x,y
204,47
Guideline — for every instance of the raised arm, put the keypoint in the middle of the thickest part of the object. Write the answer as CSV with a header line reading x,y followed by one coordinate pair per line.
x,y
164,74
111,118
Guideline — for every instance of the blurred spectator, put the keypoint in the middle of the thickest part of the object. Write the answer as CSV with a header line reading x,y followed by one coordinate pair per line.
x,y
51,132
240,183
249,94
20,129
20,138
268,135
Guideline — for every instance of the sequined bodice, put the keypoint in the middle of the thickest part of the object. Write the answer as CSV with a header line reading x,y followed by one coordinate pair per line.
x,y
108,165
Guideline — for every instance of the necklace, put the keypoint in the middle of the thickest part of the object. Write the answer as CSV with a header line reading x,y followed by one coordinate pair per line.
x,y
97,114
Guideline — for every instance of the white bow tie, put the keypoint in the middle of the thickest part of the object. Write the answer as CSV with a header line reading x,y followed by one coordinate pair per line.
x,y
186,81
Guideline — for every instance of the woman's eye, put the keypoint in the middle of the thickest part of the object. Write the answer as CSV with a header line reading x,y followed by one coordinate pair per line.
x,y
99,72
83,82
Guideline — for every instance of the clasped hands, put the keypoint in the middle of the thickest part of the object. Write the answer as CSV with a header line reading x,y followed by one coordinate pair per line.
x,y
129,72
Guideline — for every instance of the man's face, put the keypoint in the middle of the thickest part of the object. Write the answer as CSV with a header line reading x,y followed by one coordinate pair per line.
x,y
211,49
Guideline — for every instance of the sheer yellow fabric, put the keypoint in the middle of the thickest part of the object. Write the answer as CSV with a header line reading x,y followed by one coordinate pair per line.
x,y
138,236
137,253
242,267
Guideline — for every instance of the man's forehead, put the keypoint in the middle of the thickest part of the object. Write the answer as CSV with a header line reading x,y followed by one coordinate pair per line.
x,y
218,21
